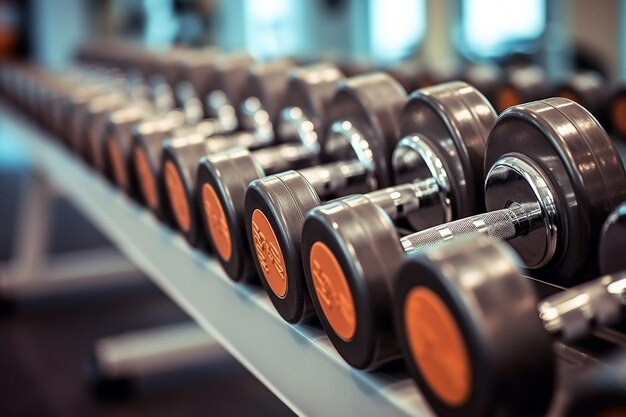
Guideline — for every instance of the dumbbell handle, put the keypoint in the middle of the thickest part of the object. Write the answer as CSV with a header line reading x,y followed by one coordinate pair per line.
x,y
329,179
504,224
576,312
401,200
279,158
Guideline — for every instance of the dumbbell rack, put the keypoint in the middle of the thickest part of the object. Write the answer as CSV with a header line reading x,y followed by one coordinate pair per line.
x,y
297,363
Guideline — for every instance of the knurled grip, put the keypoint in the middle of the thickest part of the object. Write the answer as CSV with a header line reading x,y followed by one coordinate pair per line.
x,y
499,224
576,312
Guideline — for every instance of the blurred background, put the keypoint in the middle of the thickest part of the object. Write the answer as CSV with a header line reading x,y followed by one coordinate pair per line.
x,y
557,34
47,343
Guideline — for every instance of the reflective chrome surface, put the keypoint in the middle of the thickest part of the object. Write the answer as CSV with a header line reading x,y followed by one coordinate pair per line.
x,y
295,126
513,182
218,104
256,119
345,142
415,161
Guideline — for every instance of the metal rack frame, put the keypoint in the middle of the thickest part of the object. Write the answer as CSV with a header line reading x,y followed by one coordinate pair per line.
x,y
297,363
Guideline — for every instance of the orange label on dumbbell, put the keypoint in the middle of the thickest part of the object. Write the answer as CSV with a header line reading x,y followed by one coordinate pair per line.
x,y
268,253
177,196
507,97
618,115
147,183
333,291
216,220
117,162
437,346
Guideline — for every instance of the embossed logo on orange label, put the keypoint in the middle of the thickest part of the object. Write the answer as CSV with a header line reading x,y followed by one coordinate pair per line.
x,y
117,162
619,116
268,253
177,196
147,183
507,97
217,222
333,291
437,346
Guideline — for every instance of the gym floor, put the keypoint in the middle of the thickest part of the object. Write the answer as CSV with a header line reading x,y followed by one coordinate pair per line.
x,y
45,345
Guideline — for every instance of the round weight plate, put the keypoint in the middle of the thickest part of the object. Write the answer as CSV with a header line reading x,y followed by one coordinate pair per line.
x,y
475,347
116,162
228,175
146,178
267,81
372,104
276,234
582,168
613,241
365,254
179,200
456,119
311,89
178,166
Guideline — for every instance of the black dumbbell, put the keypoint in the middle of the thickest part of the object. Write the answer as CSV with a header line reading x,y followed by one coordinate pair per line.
x,y
521,84
553,177
492,320
601,391
297,126
227,75
262,91
438,162
354,144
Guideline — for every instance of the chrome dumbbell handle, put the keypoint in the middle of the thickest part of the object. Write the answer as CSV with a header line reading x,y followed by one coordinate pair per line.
x,y
578,311
283,157
329,180
504,224
400,200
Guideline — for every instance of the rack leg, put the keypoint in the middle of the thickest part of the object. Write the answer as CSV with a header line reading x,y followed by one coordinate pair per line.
x,y
32,272
122,360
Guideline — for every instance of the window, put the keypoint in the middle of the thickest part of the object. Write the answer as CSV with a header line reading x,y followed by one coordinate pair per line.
x,y
397,28
270,28
491,28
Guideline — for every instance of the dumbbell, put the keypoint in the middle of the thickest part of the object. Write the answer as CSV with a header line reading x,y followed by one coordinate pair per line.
x,y
494,329
263,90
258,110
354,143
307,89
553,176
585,88
601,391
438,162
78,102
521,84
225,80
196,73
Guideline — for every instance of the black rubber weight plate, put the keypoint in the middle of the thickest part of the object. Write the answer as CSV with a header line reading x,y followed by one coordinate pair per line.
x,y
579,159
